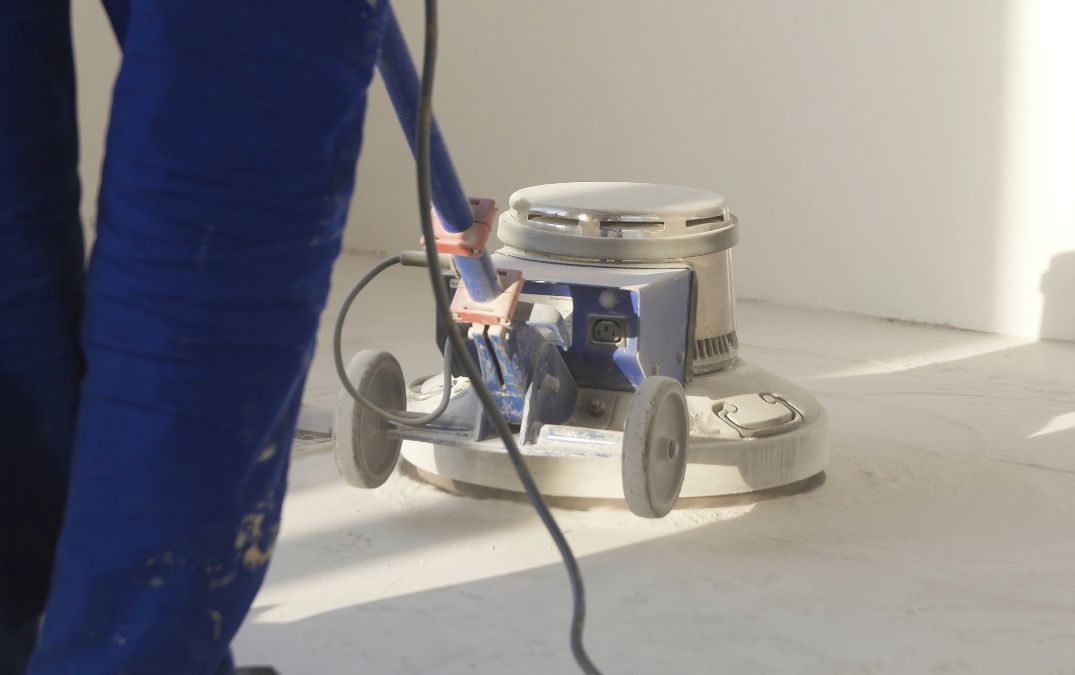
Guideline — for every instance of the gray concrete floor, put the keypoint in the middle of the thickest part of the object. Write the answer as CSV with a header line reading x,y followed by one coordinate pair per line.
x,y
941,538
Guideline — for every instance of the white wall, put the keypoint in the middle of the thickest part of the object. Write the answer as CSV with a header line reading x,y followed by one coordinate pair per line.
x,y
96,62
902,158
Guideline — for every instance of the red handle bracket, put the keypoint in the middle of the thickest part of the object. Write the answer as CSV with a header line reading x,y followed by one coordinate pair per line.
x,y
496,312
469,243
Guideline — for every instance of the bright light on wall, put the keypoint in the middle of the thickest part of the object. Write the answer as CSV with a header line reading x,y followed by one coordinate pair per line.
x,y
1038,178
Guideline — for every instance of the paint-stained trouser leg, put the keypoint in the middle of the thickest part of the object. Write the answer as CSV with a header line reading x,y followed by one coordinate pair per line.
x,y
231,152
40,302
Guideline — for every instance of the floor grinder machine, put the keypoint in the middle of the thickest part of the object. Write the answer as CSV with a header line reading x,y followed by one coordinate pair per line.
x,y
594,355
614,350
605,332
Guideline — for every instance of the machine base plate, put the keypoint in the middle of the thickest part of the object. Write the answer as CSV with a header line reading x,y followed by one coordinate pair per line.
x,y
585,462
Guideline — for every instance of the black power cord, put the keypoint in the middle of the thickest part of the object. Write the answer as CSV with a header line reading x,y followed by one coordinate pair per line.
x,y
401,418
440,294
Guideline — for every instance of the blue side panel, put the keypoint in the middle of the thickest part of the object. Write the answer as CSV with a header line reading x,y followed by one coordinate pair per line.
x,y
506,359
606,367
654,315
664,306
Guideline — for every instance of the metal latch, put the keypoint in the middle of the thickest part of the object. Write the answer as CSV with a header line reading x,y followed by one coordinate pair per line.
x,y
757,415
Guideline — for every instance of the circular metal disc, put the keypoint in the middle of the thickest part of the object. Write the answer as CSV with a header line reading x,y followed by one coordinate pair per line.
x,y
655,447
715,465
365,454
617,221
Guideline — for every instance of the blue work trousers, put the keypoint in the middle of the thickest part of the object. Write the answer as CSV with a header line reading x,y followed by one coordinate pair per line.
x,y
148,400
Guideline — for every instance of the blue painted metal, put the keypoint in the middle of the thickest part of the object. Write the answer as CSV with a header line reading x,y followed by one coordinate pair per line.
x,y
655,344
404,88
663,336
505,355
608,367
552,394
547,321
524,369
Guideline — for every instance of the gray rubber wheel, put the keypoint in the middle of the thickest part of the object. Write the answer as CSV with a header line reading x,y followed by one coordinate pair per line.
x,y
655,447
366,454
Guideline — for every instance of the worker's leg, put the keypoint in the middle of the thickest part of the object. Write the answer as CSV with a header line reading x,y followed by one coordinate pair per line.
x,y
119,15
40,300
231,152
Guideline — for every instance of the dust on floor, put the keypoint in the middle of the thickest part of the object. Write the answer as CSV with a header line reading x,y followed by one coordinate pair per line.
x,y
940,539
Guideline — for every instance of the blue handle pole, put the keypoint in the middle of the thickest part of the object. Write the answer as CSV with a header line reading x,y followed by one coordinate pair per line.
x,y
404,88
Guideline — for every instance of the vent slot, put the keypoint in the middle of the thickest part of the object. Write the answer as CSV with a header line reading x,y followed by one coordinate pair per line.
x,y
633,224
714,353
555,221
709,220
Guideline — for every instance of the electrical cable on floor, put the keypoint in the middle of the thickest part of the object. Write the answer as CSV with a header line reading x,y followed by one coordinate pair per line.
x,y
401,418
440,294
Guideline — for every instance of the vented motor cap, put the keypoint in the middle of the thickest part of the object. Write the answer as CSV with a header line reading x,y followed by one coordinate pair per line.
x,y
618,221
